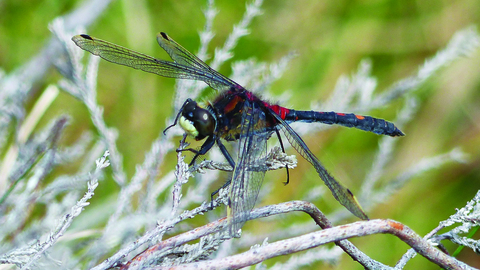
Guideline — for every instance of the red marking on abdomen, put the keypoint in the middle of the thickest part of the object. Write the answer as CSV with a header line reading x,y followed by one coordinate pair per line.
x,y
359,117
284,112
340,114
281,111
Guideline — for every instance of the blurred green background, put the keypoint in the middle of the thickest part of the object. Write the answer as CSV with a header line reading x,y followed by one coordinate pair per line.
x,y
330,37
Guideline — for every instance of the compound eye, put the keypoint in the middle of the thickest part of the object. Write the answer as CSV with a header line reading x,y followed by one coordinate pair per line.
x,y
189,110
196,121
203,122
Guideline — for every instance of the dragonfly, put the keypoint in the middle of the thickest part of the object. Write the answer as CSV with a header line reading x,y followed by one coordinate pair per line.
x,y
237,114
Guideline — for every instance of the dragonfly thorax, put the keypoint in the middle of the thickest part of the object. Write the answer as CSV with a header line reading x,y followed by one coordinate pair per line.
x,y
197,121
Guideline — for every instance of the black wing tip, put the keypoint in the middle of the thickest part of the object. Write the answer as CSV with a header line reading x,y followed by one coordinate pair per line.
x,y
164,35
85,36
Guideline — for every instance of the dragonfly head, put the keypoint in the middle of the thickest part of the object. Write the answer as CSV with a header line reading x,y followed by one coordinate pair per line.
x,y
196,121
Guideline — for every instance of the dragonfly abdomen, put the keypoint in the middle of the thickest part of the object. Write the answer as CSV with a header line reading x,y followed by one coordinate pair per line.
x,y
366,123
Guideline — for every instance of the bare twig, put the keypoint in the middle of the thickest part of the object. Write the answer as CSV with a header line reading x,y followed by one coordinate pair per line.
x,y
330,234
314,239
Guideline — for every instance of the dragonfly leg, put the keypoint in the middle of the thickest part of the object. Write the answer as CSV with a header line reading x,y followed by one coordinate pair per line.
x,y
230,161
178,116
283,150
209,142
218,190
197,153
225,153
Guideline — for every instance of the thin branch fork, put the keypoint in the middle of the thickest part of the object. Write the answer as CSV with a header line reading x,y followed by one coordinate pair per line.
x,y
311,240
330,234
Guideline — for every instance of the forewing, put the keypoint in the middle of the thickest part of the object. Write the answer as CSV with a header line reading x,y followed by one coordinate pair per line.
x,y
249,173
182,56
123,56
341,193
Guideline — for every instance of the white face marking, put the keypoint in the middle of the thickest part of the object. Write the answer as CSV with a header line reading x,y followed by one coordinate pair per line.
x,y
188,126
205,117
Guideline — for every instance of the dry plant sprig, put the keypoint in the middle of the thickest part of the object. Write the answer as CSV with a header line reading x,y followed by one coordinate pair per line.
x,y
32,152
275,159
78,208
17,86
155,233
330,234
469,219
34,251
335,234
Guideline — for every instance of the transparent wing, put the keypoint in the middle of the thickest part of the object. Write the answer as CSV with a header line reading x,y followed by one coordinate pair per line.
x,y
339,191
183,70
182,56
248,174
